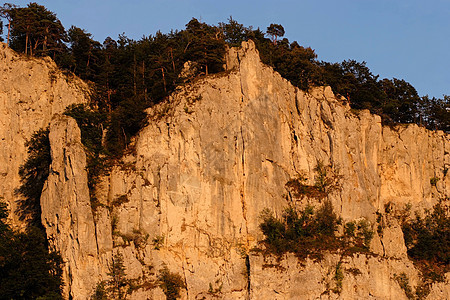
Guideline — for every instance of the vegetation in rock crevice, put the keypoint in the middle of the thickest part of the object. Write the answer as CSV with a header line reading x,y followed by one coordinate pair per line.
x,y
170,283
326,181
33,175
310,232
427,239
118,285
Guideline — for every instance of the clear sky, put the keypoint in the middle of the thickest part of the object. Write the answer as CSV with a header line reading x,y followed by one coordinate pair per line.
x,y
405,39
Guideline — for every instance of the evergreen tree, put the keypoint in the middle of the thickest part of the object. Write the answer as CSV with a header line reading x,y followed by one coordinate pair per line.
x,y
28,270
275,31
36,30
33,175
205,46
86,53
234,32
401,101
117,284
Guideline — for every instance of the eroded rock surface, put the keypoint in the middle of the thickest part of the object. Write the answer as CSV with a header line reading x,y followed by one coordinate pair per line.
x,y
31,92
213,156
221,150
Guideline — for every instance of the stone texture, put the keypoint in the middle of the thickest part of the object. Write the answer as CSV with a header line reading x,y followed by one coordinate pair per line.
x,y
31,92
66,209
221,150
364,277
213,156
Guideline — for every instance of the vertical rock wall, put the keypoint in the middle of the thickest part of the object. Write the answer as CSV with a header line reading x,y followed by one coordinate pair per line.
x,y
211,159
31,91
221,150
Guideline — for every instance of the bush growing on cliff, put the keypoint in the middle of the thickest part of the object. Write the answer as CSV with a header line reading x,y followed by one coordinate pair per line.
x,y
29,268
305,232
170,283
427,239
309,232
33,175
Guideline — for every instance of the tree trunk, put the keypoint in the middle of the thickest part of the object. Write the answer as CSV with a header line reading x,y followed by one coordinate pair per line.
x,y
9,30
26,43
134,73
164,79
143,80
171,56
44,45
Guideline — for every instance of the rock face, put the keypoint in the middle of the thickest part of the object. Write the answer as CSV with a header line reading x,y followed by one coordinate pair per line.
x,y
31,92
65,204
213,156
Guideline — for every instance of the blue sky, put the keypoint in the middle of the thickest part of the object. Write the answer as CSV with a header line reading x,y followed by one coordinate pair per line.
x,y
405,39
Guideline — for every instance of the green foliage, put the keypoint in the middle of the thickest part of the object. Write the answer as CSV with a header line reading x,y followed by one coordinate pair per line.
x,y
35,30
158,242
205,47
85,55
403,281
100,292
433,181
216,290
234,32
117,285
338,277
294,62
275,31
170,283
350,229
304,232
309,232
33,175
365,233
28,269
326,220
326,181
428,240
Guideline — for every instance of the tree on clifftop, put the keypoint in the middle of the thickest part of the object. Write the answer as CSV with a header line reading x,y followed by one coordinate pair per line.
x,y
204,46
35,30
5,12
275,31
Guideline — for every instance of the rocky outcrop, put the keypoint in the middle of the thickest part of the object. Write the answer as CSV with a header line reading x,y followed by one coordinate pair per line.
x,y
31,92
213,156
66,207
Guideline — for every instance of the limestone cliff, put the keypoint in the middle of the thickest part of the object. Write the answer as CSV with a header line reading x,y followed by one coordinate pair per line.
x,y
31,92
213,156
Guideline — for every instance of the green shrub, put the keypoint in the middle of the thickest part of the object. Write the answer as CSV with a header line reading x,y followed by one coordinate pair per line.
x,y
326,181
309,232
434,181
338,277
403,281
365,233
28,268
170,283
350,229
306,232
158,242
33,174
428,240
